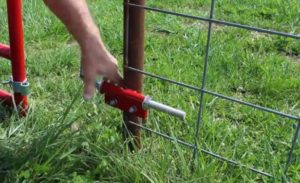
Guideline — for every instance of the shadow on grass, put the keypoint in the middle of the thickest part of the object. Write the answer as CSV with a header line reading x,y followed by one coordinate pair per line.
x,y
5,113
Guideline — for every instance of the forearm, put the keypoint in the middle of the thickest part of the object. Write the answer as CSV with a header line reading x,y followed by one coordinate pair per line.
x,y
77,18
95,58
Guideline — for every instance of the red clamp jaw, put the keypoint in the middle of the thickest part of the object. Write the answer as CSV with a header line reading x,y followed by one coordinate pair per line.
x,y
126,100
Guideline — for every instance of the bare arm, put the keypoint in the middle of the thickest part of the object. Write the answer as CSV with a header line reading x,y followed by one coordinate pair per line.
x,y
96,59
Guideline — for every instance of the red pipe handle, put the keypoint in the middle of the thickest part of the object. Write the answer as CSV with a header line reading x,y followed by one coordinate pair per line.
x,y
17,53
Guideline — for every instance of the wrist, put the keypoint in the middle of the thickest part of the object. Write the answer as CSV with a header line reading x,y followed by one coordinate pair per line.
x,y
92,38
93,44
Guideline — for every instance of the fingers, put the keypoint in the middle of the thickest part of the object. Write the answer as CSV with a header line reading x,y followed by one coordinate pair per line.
x,y
98,64
89,80
115,76
90,75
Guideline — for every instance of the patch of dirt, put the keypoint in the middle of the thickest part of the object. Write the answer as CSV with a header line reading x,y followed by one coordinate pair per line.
x,y
294,58
162,31
258,35
201,25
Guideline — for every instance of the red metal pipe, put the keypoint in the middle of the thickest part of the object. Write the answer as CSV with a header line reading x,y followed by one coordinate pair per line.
x,y
4,51
16,39
6,98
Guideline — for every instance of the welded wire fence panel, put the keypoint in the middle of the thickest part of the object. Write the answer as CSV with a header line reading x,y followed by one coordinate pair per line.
x,y
208,26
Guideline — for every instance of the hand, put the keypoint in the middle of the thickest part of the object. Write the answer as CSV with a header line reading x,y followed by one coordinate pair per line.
x,y
97,61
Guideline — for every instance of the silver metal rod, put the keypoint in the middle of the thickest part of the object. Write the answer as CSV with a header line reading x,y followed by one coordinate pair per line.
x,y
148,103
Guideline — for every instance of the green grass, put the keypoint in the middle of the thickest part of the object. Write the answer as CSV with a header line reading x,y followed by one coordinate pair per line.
x,y
253,67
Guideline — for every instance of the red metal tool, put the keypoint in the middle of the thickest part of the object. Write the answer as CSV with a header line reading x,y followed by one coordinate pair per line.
x,y
125,99
4,51
133,102
15,52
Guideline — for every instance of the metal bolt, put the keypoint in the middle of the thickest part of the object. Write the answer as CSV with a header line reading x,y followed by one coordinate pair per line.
x,y
98,84
132,109
113,102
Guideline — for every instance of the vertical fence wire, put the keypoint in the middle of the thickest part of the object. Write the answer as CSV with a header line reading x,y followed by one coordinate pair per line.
x,y
293,147
204,75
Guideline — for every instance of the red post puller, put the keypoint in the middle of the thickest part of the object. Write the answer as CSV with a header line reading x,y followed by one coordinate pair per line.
x,y
133,102
15,53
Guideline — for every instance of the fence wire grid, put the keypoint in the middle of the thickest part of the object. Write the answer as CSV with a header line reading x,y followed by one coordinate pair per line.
x,y
203,91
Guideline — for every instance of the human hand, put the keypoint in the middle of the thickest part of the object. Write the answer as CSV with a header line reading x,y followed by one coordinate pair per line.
x,y
97,61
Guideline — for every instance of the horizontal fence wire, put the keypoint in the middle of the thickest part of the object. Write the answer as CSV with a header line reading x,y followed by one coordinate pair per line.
x,y
231,24
164,135
174,139
282,114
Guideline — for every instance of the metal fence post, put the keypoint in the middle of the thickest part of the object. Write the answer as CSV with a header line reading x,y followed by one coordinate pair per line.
x,y
133,57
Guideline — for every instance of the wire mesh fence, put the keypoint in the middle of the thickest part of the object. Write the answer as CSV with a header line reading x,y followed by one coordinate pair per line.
x,y
204,91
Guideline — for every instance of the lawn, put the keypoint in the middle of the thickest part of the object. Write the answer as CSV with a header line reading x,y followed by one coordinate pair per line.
x,y
65,139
